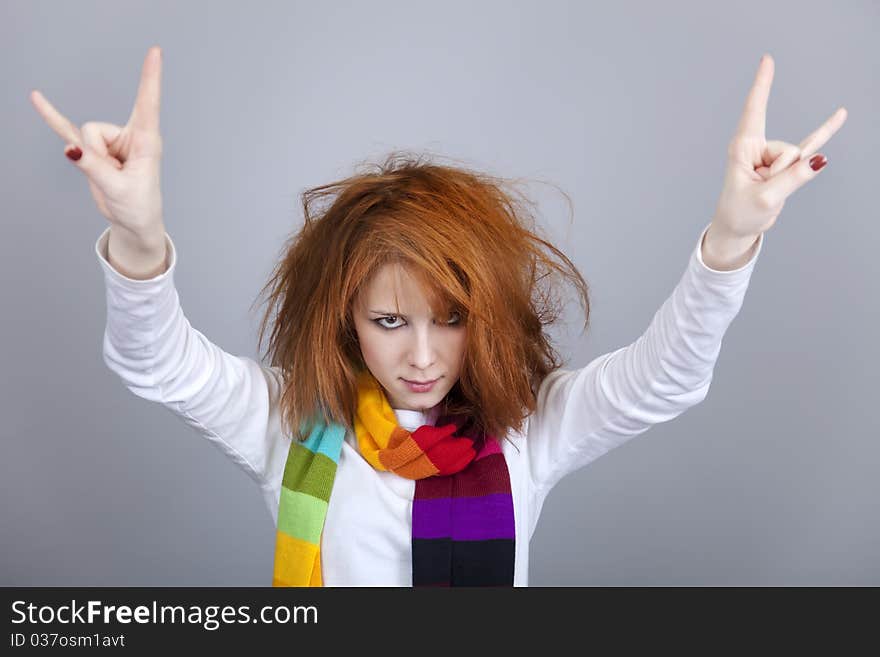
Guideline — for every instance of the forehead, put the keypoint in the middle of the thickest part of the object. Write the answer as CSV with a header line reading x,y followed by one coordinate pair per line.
x,y
392,286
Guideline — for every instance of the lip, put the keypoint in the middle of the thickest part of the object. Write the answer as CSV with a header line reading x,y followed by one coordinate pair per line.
x,y
418,386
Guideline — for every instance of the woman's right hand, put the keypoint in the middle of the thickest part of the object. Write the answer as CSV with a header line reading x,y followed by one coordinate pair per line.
x,y
121,163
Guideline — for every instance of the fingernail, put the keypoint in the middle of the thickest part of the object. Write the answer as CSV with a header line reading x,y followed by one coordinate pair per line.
x,y
74,153
818,161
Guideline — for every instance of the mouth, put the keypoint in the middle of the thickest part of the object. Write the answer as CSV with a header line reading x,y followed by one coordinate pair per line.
x,y
416,386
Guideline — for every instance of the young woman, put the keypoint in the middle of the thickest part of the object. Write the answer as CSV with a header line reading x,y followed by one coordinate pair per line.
x,y
414,415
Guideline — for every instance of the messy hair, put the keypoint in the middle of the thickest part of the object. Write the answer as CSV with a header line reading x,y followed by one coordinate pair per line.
x,y
470,241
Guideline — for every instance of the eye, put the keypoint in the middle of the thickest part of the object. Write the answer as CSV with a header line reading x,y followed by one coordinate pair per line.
x,y
379,321
454,320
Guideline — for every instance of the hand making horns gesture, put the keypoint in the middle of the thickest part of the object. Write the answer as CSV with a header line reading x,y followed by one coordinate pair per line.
x,y
762,174
121,163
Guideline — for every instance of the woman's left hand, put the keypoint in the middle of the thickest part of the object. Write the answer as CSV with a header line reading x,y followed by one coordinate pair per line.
x,y
762,174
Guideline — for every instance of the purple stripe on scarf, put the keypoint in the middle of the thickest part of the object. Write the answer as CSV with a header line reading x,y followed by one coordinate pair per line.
x,y
476,518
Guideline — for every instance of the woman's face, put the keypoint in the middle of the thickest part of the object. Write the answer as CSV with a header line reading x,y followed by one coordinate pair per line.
x,y
410,345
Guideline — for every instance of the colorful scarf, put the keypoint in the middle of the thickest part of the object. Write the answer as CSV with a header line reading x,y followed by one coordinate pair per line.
x,y
462,511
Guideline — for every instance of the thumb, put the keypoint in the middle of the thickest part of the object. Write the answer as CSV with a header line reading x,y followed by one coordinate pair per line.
x,y
794,177
779,155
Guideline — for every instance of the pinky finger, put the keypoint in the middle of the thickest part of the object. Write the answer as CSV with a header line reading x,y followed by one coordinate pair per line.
x,y
73,152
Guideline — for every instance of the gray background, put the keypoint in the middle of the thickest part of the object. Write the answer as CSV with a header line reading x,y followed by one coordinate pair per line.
x,y
626,106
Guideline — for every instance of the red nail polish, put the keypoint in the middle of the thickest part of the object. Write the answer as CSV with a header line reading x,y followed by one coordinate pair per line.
x,y
818,161
74,153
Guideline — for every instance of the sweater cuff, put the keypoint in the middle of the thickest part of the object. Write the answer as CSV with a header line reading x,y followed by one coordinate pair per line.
x,y
120,280
733,276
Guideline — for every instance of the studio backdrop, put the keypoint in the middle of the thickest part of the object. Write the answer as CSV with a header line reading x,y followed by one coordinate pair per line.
x,y
625,107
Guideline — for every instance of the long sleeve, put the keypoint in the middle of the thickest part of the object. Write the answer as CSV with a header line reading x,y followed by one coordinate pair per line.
x,y
582,414
151,346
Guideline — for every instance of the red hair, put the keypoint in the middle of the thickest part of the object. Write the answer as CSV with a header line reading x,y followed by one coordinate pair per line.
x,y
475,251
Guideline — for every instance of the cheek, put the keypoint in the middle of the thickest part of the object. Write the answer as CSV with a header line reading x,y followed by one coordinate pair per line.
x,y
461,343
374,346
376,356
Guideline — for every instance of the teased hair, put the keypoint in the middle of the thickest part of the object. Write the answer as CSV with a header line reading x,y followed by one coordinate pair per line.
x,y
471,245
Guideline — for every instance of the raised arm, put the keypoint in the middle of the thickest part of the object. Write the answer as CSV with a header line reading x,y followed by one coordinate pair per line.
x,y
584,413
148,342
159,356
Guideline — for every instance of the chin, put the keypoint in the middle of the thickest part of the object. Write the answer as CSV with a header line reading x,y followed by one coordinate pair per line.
x,y
423,402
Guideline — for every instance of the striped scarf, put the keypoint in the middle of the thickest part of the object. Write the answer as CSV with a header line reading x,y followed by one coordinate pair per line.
x,y
462,511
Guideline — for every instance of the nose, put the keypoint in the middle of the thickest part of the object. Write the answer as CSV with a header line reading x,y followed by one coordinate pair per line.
x,y
422,353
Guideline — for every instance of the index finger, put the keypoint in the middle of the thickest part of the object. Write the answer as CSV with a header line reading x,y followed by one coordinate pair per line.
x,y
57,121
754,117
145,114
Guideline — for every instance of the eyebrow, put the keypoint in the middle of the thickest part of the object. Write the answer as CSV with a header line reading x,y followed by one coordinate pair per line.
x,y
390,312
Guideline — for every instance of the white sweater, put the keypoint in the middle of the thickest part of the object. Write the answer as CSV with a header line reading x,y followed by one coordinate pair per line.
x,y
581,414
